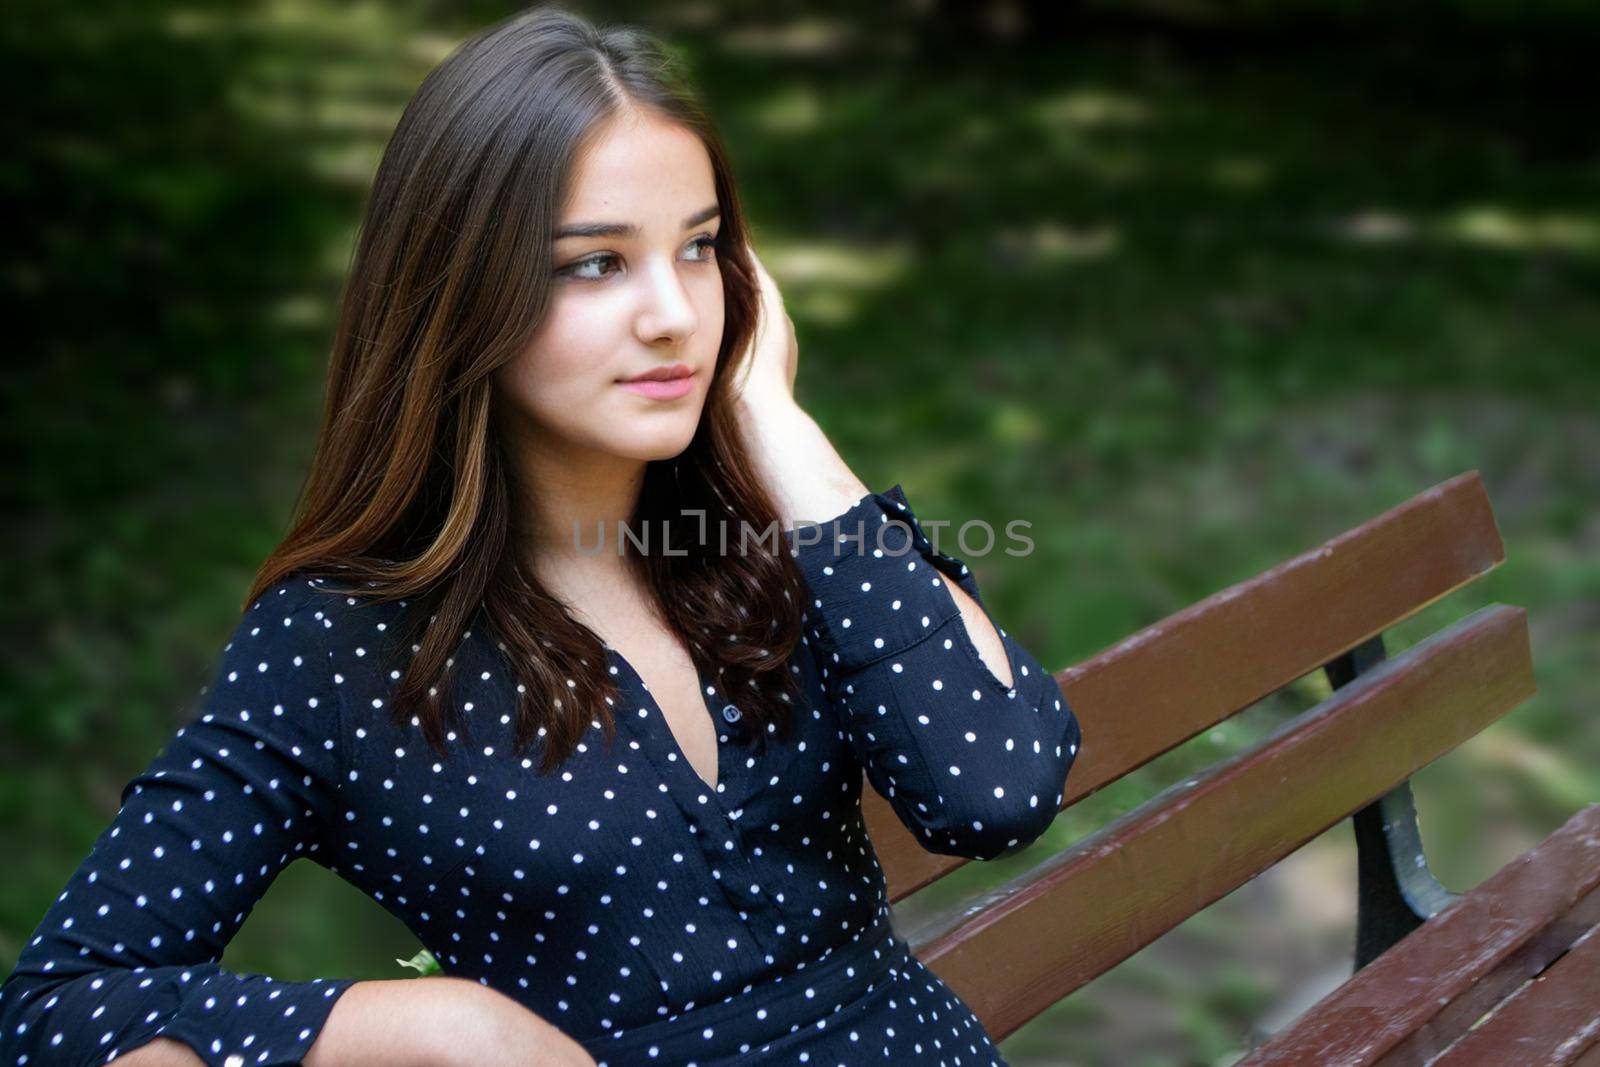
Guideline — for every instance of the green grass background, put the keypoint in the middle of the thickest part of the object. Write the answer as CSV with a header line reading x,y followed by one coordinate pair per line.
x,y
1191,287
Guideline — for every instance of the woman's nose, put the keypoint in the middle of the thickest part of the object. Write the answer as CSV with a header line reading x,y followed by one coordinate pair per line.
x,y
668,310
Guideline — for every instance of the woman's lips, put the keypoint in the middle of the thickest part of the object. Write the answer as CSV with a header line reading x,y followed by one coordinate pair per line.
x,y
670,389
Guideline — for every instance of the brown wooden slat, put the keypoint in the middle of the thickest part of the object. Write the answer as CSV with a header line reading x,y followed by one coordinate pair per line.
x,y
1026,945
1416,999
1183,675
1552,1021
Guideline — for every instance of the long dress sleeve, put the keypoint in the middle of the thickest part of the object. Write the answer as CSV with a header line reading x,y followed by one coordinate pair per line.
x,y
130,950
973,767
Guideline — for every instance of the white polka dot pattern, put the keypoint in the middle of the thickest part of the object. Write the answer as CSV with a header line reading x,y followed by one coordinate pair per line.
x,y
130,949
654,917
974,767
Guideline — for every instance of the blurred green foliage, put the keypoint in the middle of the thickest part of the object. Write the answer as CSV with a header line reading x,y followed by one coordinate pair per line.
x,y
1190,287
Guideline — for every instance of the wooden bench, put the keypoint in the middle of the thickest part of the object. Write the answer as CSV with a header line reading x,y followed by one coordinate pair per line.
x,y
1428,964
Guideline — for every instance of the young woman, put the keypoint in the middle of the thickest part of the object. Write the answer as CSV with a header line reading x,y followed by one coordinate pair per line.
x,y
610,777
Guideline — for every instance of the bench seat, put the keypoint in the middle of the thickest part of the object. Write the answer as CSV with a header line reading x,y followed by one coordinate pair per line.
x,y
1535,919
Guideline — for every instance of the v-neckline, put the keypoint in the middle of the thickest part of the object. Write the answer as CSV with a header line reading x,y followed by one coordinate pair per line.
x,y
677,757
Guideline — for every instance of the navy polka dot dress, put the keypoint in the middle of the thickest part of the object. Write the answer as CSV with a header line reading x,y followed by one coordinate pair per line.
x,y
651,916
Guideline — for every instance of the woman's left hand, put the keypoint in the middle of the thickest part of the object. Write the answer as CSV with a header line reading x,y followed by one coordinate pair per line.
x,y
806,478
765,378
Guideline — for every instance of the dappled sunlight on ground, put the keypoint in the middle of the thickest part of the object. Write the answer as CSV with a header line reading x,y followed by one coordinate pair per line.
x,y
1484,226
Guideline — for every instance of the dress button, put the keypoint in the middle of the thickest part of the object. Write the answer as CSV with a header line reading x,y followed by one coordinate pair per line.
x,y
731,713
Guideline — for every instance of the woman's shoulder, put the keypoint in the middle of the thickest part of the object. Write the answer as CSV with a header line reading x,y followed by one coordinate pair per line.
x,y
344,616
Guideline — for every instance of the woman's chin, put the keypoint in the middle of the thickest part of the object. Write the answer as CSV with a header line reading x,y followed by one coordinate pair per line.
x,y
657,436
655,447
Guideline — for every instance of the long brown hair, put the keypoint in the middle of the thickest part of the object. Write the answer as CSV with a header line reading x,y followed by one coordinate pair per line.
x,y
410,494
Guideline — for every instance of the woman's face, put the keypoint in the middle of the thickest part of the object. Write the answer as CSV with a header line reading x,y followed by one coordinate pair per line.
x,y
636,288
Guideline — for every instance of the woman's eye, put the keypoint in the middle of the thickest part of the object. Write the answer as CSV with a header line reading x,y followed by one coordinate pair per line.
x,y
580,269
707,243
592,268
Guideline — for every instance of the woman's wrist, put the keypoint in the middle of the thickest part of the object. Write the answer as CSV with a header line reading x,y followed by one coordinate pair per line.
x,y
807,479
764,412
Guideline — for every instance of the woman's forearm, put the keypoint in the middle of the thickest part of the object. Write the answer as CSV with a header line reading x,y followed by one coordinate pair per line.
x,y
160,1052
436,1021
810,482
407,1022
807,478
412,1022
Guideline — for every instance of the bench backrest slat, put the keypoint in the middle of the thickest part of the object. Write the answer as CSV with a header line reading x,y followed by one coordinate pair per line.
x,y
1026,945
1183,675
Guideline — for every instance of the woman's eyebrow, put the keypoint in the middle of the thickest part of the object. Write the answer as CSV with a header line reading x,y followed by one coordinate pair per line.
x,y
627,229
